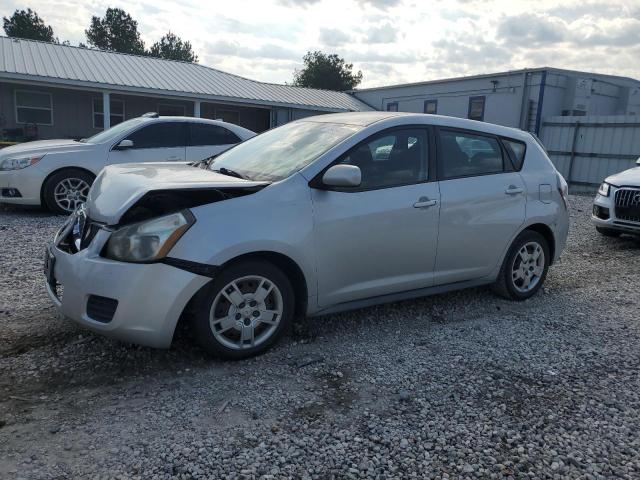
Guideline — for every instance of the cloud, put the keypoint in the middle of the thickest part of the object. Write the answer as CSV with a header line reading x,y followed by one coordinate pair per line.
x,y
531,29
386,33
266,51
332,37
381,4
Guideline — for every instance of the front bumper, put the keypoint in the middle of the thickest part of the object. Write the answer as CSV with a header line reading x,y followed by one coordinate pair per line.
x,y
28,181
150,297
604,214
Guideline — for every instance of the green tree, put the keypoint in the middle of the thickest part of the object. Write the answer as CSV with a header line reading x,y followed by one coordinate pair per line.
x,y
27,24
172,47
327,71
117,32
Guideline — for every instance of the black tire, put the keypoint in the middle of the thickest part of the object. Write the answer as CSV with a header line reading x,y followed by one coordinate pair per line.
x,y
204,302
48,192
608,232
505,285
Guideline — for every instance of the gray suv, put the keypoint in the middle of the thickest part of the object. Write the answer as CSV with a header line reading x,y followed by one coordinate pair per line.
x,y
318,216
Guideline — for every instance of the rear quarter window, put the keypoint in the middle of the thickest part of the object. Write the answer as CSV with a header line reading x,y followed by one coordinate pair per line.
x,y
516,151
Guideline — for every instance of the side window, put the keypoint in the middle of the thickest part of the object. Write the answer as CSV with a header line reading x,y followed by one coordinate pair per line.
x,y
516,151
466,154
392,107
204,134
431,106
391,158
476,108
159,135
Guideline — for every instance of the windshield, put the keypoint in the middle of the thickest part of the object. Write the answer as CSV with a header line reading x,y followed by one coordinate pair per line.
x,y
279,153
114,132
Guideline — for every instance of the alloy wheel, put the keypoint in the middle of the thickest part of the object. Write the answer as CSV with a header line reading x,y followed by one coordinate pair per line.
x,y
528,267
70,193
246,312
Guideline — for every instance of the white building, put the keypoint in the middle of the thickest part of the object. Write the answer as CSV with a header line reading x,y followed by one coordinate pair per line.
x,y
518,98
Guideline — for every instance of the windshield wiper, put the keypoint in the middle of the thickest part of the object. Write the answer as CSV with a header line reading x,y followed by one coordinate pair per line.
x,y
228,172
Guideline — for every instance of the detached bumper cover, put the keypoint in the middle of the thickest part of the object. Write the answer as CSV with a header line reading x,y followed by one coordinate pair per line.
x,y
150,297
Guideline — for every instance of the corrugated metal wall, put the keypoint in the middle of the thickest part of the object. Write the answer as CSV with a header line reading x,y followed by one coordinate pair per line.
x,y
587,149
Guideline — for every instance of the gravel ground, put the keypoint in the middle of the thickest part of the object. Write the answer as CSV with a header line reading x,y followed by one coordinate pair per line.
x,y
461,385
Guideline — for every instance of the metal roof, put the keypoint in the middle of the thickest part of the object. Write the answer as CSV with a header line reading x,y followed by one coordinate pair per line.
x,y
29,60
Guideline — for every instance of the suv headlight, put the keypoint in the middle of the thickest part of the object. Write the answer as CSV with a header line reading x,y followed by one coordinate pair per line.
x,y
604,189
149,240
18,163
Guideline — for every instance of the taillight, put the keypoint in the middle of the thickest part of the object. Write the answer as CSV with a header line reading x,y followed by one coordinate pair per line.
x,y
563,188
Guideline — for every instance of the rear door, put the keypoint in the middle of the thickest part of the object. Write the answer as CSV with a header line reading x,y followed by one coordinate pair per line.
x,y
206,140
156,142
381,237
483,202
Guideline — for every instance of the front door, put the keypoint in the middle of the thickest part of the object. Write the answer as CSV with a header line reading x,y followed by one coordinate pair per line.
x,y
483,203
157,142
381,237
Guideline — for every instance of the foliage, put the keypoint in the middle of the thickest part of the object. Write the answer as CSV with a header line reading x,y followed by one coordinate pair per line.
x,y
27,24
172,47
117,32
326,71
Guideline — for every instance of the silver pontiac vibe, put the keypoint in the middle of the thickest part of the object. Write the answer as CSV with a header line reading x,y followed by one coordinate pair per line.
x,y
321,215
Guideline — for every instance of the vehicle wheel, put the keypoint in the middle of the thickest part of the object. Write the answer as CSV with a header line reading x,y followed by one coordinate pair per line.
x,y
608,232
244,310
65,190
524,268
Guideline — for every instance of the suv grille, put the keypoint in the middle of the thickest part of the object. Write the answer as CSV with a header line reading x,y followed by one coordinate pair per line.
x,y
628,204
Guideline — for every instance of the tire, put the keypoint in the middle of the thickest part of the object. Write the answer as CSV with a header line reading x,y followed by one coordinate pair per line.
x,y
74,182
608,232
248,330
512,283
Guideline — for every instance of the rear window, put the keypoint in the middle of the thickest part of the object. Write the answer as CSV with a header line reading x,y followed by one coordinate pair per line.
x,y
516,152
204,134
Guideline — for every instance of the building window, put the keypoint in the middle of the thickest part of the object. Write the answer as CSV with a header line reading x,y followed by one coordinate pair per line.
x,y
431,106
476,108
33,107
117,112
392,107
229,116
168,110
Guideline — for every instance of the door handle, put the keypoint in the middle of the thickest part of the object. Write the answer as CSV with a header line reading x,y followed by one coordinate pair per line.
x,y
424,202
513,190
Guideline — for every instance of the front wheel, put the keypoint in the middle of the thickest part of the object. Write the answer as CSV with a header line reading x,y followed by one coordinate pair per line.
x,y
66,190
244,311
524,268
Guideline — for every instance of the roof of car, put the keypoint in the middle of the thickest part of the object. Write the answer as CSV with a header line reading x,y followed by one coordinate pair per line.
x,y
364,119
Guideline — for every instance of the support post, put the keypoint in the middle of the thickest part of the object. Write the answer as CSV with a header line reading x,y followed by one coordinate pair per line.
x,y
196,108
106,109
572,158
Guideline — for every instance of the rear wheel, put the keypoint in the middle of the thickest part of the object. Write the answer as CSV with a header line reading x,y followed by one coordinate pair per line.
x,y
524,268
245,310
608,232
66,190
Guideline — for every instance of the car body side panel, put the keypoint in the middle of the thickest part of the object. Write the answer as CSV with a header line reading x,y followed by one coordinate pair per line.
x,y
477,219
276,219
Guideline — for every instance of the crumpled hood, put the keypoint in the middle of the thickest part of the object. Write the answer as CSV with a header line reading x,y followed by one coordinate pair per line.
x,y
43,146
629,177
118,187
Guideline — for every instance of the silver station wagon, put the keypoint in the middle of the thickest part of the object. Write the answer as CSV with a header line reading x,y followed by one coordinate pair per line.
x,y
318,216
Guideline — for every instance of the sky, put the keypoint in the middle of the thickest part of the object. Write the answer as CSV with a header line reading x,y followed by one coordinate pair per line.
x,y
390,41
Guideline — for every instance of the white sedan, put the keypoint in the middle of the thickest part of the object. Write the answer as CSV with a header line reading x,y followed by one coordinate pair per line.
x,y
58,173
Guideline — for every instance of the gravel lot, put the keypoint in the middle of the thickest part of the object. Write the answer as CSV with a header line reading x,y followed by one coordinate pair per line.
x,y
462,385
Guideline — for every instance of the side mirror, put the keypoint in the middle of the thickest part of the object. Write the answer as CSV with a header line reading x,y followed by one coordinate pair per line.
x,y
342,176
124,144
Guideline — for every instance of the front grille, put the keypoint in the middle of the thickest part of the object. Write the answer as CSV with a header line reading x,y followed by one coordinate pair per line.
x,y
101,309
627,201
77,233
